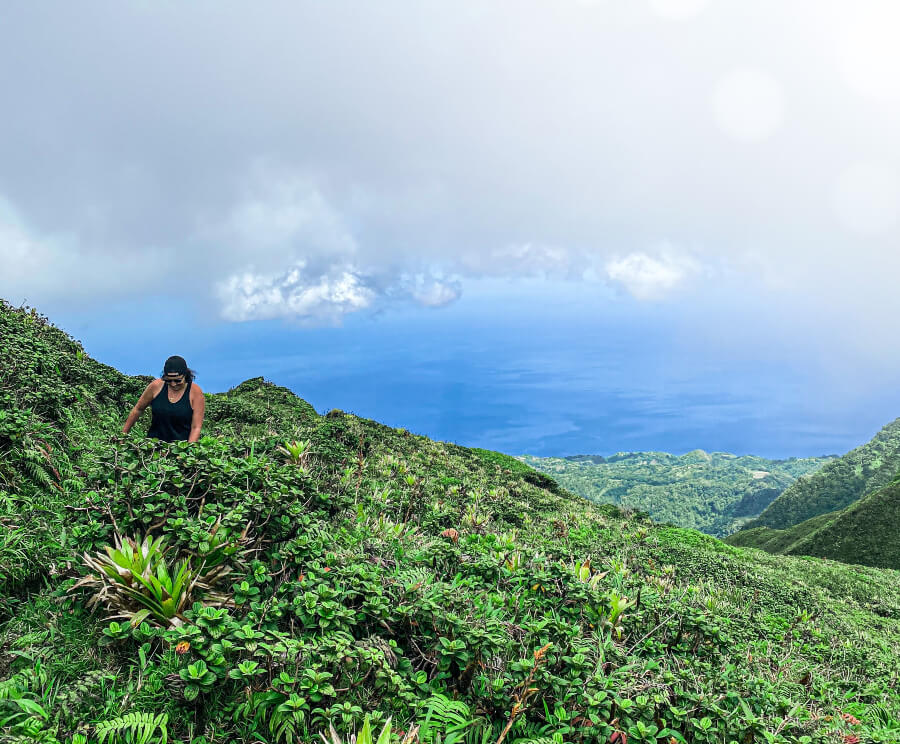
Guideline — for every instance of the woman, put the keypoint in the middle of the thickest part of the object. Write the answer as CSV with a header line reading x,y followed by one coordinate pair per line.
x,y
176,403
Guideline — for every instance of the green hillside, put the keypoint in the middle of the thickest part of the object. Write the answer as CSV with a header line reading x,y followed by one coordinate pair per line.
x,y
778,541
307,572
839,483
865,532
712,492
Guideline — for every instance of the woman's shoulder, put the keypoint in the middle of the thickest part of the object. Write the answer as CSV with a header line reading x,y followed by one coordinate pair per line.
x,y
150,392
196,390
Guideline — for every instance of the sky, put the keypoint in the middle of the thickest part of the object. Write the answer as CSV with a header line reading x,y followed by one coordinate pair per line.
x,y
543,226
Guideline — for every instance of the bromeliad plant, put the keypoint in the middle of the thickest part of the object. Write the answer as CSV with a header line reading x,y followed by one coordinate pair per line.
x,y
296,452
366,735
587,574
136,582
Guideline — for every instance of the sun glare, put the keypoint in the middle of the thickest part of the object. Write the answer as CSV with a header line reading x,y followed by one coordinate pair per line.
x,y
869,52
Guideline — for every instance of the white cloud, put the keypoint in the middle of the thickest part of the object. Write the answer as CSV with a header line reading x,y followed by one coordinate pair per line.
x,y
279,217
371,143
293,294
43,267
290,252
21,255
429,291
651,278
525,260
287,252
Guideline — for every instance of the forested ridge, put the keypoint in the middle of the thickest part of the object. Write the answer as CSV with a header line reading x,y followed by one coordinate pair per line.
x,y
295,574
839,483
848,511
714,492
865,532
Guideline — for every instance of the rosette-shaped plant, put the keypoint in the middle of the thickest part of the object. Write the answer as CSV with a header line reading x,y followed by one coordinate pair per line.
x,y
135,581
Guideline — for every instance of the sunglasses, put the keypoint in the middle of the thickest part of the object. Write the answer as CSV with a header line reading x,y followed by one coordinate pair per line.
x,y
174,380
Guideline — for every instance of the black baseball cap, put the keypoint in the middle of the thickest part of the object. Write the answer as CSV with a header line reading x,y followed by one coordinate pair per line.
x,y
175,365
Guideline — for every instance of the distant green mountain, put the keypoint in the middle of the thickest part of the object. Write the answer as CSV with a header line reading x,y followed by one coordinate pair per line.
x,y
838,484
712,492
865,533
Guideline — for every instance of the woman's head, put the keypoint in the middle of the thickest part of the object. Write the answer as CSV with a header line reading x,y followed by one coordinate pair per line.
x,y
176,368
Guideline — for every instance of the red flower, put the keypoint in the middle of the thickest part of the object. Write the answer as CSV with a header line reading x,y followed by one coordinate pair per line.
x,y
852,720
850,739
183,647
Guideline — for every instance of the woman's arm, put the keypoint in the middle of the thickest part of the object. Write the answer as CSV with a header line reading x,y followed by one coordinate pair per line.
x,y
198,403
145,400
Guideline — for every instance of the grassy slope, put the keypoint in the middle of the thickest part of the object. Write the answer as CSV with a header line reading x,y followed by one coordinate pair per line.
x,y
779,541
712,492
363,605
838,484
865,532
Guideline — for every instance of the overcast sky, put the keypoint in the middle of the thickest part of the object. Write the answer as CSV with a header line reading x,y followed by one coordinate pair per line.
x,y
730,168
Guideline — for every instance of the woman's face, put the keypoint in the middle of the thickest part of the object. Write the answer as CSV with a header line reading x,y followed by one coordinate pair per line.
x,y
174,380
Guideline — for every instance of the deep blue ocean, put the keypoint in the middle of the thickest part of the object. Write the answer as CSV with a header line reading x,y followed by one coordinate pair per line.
x,y
539,376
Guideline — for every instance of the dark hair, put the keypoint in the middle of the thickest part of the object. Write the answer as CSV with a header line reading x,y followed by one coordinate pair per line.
x,y
191,374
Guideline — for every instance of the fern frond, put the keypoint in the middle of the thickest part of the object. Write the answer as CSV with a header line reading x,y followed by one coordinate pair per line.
x,y
416,577
13,687
134,728
445,718
36,470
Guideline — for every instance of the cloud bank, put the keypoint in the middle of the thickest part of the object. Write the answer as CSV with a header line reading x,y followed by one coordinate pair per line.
x,y
307,160
649,278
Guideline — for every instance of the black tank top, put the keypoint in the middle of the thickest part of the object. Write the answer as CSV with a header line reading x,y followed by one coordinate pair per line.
x,y
171,422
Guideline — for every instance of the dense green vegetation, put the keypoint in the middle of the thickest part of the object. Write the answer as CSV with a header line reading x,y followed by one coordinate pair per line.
x,y
778,541
839,483
305,572
712,492
847,511
865,532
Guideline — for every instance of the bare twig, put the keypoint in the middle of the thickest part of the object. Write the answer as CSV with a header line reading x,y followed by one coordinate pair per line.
x,y
524,691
